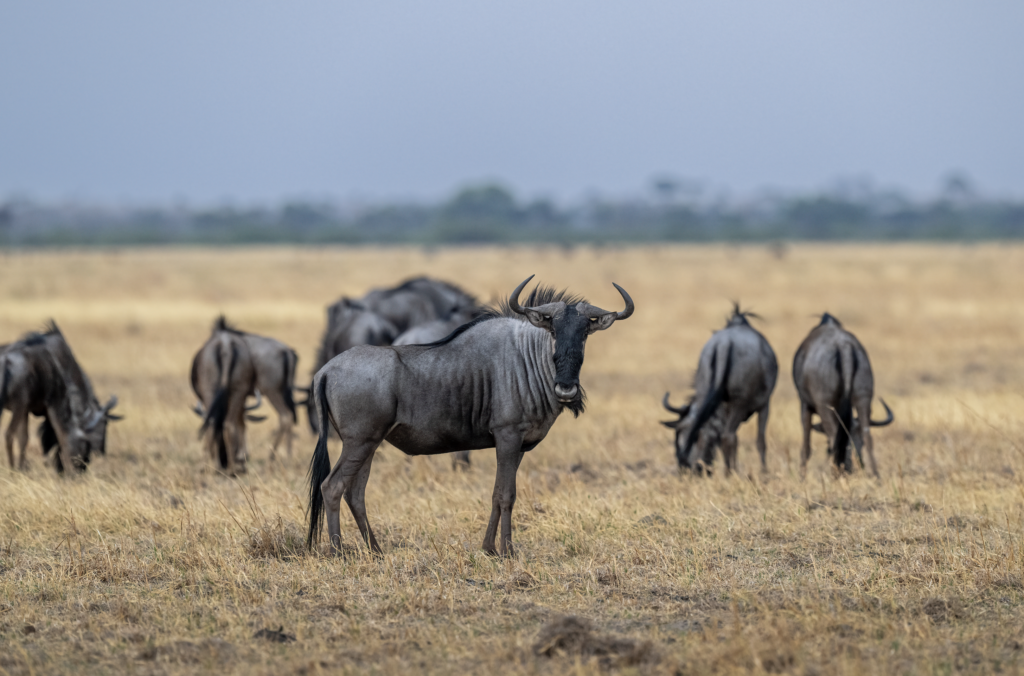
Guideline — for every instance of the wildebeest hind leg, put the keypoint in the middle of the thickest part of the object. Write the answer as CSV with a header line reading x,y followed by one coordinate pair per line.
x,y
805,447
762,426
340,481
729,444
864,413
355,497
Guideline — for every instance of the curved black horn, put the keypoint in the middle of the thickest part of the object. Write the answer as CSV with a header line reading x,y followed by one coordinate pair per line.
x,y
889,417
668,407
629,303
513,300
259,402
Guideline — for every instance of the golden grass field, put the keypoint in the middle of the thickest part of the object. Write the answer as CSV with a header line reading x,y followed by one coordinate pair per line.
x,y
154,563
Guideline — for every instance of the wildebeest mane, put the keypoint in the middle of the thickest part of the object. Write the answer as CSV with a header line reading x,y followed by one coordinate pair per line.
x,y
222,325
541,295
742,315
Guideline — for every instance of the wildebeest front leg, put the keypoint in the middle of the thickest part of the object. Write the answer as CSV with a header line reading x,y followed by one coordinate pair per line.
x,y
762,426
509,453
805,447
340,481
17,430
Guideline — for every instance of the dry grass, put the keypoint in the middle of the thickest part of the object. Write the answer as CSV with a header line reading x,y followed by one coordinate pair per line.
x,y
154,563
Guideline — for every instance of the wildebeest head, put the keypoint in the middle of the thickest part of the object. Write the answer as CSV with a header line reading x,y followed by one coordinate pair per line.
x,y
681,426
569,326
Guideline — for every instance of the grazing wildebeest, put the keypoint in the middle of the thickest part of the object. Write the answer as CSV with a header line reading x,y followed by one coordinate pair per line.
x,y
40,375
349,323
417,301
498,382
438,328
223,377
735,377
833,378
274,364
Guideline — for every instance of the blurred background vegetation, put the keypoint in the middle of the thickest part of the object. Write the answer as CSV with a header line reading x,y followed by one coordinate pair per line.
x,y
671,210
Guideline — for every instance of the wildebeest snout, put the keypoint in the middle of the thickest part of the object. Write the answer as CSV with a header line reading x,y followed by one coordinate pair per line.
x,y
565,393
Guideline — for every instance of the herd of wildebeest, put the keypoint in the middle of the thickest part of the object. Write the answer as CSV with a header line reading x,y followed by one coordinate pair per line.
x,y
426,367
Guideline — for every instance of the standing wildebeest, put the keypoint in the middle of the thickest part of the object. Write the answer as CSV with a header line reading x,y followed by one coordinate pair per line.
x,y
223,377
275,363
833,378
39,375
735,378
498,382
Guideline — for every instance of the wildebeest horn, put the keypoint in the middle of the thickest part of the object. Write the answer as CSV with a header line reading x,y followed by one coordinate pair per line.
x,y
199,410
513,300
668,407
629,303
889,417
259,402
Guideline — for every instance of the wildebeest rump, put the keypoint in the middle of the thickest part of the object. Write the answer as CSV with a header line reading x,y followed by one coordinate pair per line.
x,y
498,382
223,377
735,378
40,375
833,377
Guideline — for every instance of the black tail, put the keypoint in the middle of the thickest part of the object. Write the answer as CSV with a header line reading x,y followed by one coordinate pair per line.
x,y
286,386
319,465
218,410
714,397
846,364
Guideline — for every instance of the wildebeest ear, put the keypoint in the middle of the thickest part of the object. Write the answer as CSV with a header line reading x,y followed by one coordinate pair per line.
x,y
603,322
115,417
671,424
538,319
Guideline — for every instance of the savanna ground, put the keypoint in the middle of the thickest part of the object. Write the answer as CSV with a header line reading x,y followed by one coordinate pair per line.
x,y
154,563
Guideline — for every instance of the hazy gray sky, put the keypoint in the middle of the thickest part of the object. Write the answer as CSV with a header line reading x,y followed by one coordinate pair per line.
x,y
255,101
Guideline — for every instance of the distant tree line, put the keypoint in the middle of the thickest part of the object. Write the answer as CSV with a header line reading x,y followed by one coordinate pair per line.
x,y
491,214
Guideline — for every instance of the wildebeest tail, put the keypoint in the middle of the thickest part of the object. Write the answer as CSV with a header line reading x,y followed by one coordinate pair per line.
x,y
846,362
721,362
320,464
290,359
218,410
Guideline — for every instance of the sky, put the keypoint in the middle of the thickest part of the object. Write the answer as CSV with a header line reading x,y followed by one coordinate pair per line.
x,y
251,101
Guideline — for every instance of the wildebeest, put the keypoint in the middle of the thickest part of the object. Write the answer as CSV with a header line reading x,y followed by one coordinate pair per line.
x,y
223,377
40,375
833,378
417,301
735,378
498,382
438,328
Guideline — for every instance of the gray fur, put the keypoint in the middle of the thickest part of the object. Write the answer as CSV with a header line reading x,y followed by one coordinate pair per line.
x,y
498,382
735,378
833,377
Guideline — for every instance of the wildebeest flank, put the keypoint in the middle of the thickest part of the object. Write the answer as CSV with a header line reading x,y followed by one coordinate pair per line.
x,y
500,381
